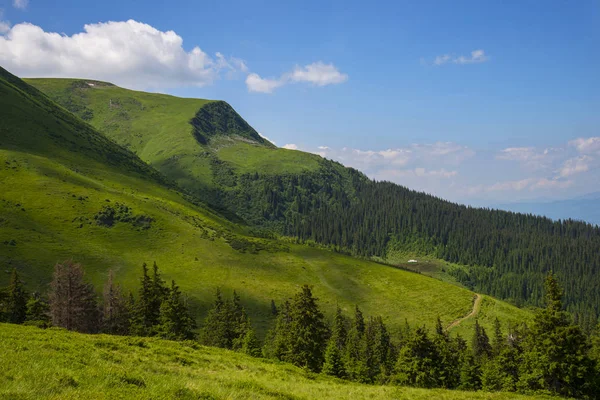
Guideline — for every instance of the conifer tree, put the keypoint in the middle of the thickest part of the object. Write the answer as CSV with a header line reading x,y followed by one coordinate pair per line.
x,y
334,364
277,343
238,323
72,300
274,310
556,356
470,373
449,352
308,332
250,344
16,300
38,311
499,340
480,343
175,321
115,312
417,360
214,329
354,363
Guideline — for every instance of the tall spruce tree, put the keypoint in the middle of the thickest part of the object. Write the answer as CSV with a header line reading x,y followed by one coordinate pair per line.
x,y
556,355
334,364
16,300
354,362
308,332
175,320
277,340
73,302
449,351
214,330
250,344
417,361
480,344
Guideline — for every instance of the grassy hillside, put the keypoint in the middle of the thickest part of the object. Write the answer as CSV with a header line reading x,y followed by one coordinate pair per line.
x,y
56,364
52,195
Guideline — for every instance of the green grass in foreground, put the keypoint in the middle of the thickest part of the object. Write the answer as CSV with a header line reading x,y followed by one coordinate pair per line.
x,y
57,364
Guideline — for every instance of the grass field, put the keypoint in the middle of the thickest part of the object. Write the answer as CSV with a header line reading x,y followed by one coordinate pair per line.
x,y
56,364
57,174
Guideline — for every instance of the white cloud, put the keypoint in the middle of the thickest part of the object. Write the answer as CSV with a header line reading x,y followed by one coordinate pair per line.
x,y
22,4
260,85
575,165
586,145
529,184
323,148
129,53
290,146
531,157
318,74
477,56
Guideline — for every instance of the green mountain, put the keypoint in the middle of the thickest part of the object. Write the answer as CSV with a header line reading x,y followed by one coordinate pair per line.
x,y
212,153
66,191
57,364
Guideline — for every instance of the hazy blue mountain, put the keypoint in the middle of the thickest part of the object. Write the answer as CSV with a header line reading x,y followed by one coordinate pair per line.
x,y
585,208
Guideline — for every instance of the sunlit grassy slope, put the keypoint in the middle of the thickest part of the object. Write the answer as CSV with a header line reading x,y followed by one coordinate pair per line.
x,y
55,364
158,129
57,173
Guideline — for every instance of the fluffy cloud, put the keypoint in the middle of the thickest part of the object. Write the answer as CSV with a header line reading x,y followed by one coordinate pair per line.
x,y
4,25
130,54
477,56
575,165
318,74
290,146
22,4
586,145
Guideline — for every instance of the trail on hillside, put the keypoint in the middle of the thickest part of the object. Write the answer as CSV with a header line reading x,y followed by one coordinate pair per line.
x,y
475,311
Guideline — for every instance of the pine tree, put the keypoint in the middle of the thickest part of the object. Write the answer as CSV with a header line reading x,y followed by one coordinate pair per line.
x,y
556,355
152,292
308,332
470,373
38,311
238,323
499,341
449,351
480,343
72,300
417,360
115,312
277,343
354,363
175,322
16,301
334,364
250,344
214,329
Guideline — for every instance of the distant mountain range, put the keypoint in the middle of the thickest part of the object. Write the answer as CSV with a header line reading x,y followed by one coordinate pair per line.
x,y
585,208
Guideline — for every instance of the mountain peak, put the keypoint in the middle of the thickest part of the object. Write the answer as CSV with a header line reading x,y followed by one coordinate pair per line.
x,y
218,118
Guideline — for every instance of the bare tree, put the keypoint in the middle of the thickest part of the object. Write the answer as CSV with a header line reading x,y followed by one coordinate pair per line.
x,y
72,300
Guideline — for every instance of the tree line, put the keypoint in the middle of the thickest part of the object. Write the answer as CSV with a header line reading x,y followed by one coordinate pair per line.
x,y
553,355
508,254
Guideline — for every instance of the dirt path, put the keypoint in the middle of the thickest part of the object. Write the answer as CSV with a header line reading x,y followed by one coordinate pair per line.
x,y
475,311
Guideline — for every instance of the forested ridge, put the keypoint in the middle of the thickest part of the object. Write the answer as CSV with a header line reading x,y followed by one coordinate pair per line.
x,y
508,253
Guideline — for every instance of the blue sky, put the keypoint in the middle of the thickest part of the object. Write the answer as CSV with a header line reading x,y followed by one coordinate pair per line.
x,y
479,102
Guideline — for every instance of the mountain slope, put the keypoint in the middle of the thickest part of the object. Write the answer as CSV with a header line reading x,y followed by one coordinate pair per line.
x,y
63,196
53,364
315,200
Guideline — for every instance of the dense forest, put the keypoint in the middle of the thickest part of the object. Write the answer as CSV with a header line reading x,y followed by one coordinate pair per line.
x,y
553,355
508,254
